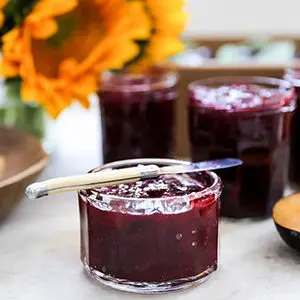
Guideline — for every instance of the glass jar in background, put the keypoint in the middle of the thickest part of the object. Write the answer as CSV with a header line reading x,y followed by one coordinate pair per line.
x,y
137,112
293,76
248,118
151,236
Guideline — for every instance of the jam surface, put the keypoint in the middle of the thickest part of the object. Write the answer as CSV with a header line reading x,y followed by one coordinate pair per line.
x,y
239,97
230,121
155,247
164,186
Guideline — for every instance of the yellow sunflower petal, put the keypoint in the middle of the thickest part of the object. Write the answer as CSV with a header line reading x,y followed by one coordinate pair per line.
x,y
48,29
171,24
86,85
12,50
168,21
141,26
27,92
84,102
101,37
8,69
112,57
11,35
68,67
41,23
1,18
167,46
49,8
3,3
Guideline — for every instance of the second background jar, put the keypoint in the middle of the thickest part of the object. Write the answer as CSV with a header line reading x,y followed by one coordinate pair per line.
x,y
249,118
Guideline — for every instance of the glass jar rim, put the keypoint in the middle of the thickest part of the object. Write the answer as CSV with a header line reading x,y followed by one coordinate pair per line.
x,y
242,79
138,82
284,87
292,75
214,188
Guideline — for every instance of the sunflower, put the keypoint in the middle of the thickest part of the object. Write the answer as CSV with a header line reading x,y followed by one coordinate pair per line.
x,y
2,5
168,22
61,47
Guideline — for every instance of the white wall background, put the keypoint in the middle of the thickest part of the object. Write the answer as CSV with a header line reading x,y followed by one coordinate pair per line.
x,y
243,16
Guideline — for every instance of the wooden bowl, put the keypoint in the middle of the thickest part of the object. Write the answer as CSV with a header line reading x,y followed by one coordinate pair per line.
x,y
22,159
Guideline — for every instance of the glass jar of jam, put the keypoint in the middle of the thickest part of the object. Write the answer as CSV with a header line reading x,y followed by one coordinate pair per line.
x,y
293,76
249,118
151,236
137,113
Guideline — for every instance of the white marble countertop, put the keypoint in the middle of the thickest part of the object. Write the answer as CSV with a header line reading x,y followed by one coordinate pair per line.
x,y
39,242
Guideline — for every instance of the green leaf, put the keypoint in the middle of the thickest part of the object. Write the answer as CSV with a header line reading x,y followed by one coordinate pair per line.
x,y
12,88
25,116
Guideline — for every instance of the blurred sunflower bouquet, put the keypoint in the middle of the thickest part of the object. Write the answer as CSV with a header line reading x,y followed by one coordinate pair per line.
x,y
53,51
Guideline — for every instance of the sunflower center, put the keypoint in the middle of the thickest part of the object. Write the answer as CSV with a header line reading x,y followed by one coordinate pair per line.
x,y
66,24
79,32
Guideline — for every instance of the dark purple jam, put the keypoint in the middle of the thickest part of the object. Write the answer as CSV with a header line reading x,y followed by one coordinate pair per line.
x,y
251,122
137,117
163,186
145,245
293,76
